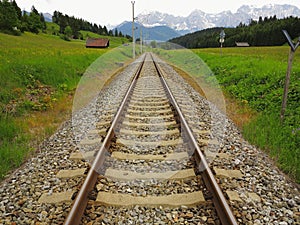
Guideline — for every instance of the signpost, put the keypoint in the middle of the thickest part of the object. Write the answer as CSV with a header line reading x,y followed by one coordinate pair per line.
x,y
222,39
288,73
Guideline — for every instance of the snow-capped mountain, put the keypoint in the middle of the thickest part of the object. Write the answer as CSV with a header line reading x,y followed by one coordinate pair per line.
x,y
155,32
199,20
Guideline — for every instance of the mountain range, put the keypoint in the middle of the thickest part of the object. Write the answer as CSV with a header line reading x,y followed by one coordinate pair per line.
x,y
163,26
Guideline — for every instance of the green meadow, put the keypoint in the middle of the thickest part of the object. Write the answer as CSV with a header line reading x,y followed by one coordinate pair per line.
x,y
38,76
255,78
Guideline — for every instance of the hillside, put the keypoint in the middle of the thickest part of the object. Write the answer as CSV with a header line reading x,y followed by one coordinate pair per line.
x,y
265,32
159,33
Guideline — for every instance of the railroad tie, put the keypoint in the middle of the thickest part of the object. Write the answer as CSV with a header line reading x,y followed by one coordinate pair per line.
x,y
173,200
149,157
149,144
129,175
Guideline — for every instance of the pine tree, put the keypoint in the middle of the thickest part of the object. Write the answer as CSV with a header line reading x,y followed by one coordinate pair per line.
x,y
34,10
34,21
8,16
105,32
17,9
24,22
43,22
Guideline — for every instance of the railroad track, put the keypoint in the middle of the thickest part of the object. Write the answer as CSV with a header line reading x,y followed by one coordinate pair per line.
x,y
149,159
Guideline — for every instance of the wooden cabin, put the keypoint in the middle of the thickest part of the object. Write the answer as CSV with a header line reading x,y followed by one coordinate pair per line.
x,y
97,43
242,44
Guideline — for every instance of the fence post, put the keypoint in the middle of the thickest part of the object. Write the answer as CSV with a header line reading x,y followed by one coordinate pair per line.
x,y
286,85
288,72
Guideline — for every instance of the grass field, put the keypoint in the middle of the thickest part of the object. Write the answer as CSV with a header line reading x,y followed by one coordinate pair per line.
x,y
255,77
38,75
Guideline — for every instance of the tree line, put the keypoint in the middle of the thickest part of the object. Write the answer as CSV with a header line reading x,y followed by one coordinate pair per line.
x,y
14,21
71,26
264,32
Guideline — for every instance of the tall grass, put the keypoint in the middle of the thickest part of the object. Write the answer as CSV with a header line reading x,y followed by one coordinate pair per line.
x,y
12,148
280,141
256,76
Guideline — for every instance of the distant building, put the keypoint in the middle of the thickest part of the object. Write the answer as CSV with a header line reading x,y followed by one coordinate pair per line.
x,y
97,43
242,44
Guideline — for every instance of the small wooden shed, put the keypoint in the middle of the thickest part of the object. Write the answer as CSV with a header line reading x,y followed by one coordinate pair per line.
x,y
242,44
97,43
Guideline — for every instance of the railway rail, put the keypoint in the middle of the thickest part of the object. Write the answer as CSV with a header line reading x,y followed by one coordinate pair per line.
x,y
148,147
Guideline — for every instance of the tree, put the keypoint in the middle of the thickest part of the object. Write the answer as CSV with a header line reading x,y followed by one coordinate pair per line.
x,y
34,10
63,23
129,37
24,22
55,17
43,22
95,28
68,32
8,16
34,21
105,32
100,30
77,24
17,9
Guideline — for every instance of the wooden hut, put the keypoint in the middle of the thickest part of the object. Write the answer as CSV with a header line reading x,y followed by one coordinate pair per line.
x,y
97,43
242,44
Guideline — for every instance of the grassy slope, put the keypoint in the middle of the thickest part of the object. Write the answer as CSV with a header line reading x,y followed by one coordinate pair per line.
x,y
255,77
38,75
114,41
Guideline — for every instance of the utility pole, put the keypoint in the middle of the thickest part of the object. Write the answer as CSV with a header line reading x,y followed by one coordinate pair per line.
x,y
133,28
141,40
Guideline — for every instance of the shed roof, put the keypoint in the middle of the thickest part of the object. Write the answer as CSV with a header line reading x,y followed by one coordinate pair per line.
x,y
242,44
97,43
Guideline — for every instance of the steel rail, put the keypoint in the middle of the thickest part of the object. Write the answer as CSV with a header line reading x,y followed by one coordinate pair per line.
x,y
80,202
223,210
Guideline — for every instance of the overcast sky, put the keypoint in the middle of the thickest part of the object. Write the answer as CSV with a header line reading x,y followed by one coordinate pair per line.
x,y
114,12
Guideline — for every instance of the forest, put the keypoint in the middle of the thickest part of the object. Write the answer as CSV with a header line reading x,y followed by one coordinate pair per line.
x,y
264,32
74,25
14,21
